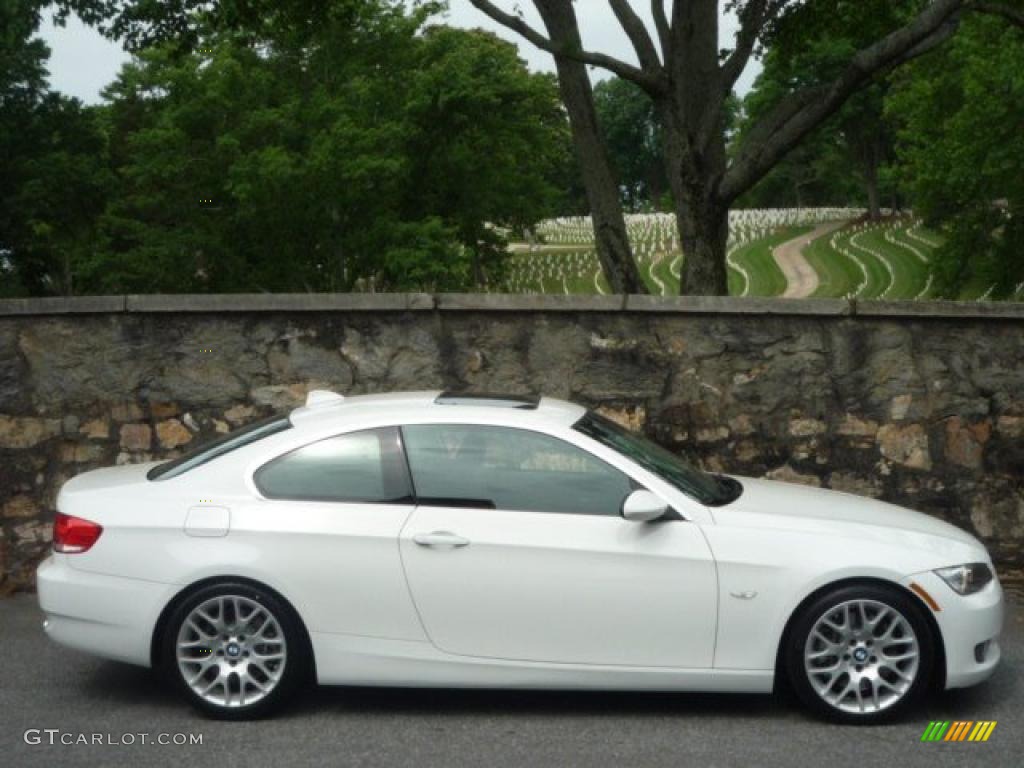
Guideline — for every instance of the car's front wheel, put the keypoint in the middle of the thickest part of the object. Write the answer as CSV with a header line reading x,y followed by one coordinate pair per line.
x,y
234,650
860,653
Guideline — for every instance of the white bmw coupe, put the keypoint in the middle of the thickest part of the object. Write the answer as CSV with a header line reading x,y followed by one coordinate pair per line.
x,y
432,539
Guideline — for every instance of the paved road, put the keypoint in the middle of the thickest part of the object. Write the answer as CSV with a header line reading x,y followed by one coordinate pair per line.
x,y
42,686
801,278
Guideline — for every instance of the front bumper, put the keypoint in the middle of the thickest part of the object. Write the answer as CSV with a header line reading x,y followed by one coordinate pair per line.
x,y
970,627
109,616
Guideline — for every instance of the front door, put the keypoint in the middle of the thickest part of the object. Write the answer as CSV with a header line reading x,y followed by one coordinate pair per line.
x,y
517,550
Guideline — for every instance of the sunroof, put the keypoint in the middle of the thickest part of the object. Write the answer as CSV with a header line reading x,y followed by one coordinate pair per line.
x,y
490,400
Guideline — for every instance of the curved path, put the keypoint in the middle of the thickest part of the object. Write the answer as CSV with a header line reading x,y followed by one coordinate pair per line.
x,y
801,279
655,261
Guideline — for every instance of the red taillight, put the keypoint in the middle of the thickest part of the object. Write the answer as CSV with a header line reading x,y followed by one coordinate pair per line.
x,y
73,534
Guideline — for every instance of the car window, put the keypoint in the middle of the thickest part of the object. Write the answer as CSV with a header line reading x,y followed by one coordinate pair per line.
x,y
710,489
209,451
365,466
507,468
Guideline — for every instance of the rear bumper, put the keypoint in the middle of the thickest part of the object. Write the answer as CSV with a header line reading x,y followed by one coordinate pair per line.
x,y
108,616
970,627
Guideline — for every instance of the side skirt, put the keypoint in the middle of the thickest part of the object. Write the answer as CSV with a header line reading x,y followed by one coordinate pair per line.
x,y
354,660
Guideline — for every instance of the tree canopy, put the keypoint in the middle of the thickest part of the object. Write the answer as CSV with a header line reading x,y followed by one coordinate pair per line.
x,y
960,151
349,158
335,145
52,165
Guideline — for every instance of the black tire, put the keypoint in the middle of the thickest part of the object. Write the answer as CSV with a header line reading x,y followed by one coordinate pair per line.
x,y
284,678
878,670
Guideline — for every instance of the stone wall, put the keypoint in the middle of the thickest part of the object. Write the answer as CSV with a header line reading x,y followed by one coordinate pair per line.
x,y
920,404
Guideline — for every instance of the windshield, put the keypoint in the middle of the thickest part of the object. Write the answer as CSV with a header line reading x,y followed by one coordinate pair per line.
x,y
710,489
211,450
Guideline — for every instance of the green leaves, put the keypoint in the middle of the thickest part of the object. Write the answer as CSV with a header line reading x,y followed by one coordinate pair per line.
x,y
321,146
633,138
960,150
484,139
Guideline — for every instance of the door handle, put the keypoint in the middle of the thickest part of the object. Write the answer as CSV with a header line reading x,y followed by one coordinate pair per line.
x,y
440,539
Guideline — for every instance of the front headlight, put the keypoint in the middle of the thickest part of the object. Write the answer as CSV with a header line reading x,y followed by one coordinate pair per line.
x,y
966,579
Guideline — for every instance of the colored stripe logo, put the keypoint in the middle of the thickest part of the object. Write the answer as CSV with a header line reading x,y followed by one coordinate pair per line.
x,y
958,730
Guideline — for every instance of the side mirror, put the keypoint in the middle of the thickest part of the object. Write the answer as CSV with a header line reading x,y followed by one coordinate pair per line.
x,y
643,507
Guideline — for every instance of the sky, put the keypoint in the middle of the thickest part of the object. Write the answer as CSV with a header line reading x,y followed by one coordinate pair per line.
x,y
82,61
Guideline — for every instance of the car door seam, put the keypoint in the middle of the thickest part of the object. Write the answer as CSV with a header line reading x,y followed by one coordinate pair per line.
x,y
405,576
718,596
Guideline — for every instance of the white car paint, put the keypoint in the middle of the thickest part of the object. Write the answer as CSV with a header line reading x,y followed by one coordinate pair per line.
x,y
535,600
788,540
535,586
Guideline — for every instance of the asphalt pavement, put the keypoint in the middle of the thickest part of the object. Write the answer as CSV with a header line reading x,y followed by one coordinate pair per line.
x,y
43,686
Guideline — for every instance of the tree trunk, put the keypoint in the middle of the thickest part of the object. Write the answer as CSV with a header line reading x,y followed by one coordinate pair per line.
x,y
693,142
866,140
871,185
874,206
602,190
704,235
654,188
478,272
703,222
67,288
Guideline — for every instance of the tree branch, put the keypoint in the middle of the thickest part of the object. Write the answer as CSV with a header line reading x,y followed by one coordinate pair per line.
x,y
753,18
788,106
638,35
648,81
934,40
677,28
801,112
661,25
1014,15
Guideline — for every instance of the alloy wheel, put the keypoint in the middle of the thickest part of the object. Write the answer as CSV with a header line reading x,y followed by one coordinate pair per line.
x,y
231,651
862,656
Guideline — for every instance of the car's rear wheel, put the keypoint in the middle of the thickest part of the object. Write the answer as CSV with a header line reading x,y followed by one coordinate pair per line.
x,y
234,650
860,653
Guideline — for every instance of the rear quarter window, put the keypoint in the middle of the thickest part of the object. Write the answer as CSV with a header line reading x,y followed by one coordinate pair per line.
x,y
364,466
209,451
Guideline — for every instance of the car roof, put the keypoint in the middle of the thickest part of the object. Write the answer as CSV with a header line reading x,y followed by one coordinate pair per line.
x,y
322,406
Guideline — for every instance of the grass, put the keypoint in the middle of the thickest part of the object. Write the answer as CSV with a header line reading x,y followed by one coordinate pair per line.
x,y
661,268
549,265
577,269
869,261
909,274
766,279
975,288
861,261
837,275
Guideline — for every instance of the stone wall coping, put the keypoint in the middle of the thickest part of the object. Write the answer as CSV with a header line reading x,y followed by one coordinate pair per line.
x,y
505,302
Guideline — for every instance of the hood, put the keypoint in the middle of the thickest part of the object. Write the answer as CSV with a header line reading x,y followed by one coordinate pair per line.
x,y
776,504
